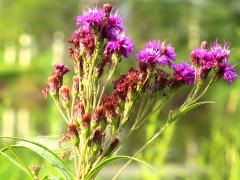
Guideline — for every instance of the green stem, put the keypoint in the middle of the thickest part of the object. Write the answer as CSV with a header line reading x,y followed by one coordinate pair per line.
x,y
106,82
206,88
60,110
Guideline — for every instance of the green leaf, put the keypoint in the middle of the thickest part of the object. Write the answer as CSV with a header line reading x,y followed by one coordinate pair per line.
x,y
103,163
44,152
19,162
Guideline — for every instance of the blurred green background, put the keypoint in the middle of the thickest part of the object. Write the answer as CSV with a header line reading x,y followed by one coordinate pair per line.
x,y
33,36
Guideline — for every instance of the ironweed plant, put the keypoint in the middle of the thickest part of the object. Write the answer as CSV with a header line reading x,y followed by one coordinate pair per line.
x,y
95,120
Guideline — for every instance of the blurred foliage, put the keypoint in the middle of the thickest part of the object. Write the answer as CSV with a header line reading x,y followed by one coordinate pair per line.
x,y
184,23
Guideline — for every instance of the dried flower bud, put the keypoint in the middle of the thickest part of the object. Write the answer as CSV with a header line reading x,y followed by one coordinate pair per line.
x,y
86,119
99,118
78,110
72,130
97,138
53,86
75,86
110,105
113,146
64,94
85,124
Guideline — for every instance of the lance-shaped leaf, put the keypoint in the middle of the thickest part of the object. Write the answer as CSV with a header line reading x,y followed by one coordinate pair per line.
x,y
44,152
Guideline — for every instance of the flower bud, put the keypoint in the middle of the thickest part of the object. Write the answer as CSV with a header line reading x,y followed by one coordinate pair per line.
x,y
85,124
75,86
72,130
78,110
64,94
97,138
99,118
204,45
53,86
107,9
113,146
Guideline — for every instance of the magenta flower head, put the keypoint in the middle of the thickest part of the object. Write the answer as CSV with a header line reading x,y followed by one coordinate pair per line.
x,y
102,20
227,71
157,52
122,46
113,27
219,52
183,73
92,18
214,58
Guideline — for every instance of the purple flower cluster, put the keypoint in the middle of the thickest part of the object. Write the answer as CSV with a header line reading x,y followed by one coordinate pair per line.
x,y
105,25
122,46
227,71
183,73
214,58
92,18
157,52
154,56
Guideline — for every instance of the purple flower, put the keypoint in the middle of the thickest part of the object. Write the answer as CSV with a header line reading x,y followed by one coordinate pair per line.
x,y
215,57
219,52
122,46
92,17
203,58
157,52
183,73
114,21
113,27
227,71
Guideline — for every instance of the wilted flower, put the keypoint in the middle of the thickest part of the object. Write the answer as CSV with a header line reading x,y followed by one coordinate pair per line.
x,y
110,105
161,81
128,83
82,38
